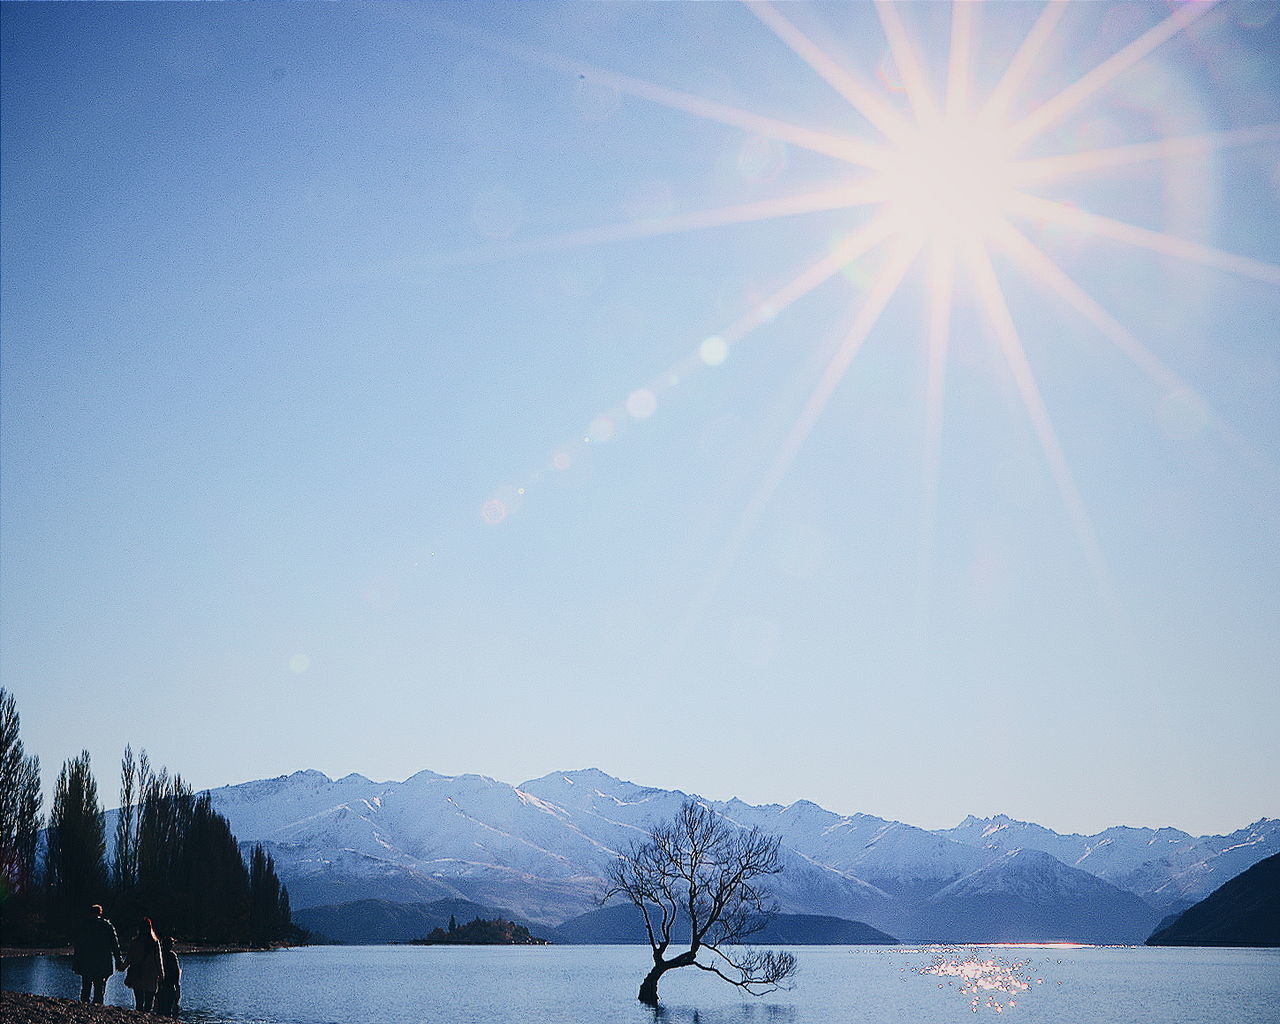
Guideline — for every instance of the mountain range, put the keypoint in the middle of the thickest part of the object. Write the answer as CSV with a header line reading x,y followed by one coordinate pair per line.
x,y
538,851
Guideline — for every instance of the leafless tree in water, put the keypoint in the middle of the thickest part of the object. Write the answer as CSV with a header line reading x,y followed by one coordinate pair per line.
x,y
701,872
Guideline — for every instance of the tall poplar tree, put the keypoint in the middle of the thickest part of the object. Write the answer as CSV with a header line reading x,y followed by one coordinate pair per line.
x,y
125,865
20,802
76,862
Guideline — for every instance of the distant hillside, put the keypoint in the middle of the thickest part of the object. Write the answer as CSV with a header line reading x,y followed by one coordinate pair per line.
x,y
378,922
1243,912
623,925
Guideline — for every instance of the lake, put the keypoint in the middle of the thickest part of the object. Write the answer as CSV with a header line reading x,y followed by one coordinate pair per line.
x,y
597,985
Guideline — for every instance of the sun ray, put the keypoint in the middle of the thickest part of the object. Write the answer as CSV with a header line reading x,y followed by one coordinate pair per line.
x,y
1001,319
958,63
878,296
1054,168
914,79
841,147
941,293
1033,260
1157,241
882,289
882,116
826,200
996,107
1103,74
1029,257
851,248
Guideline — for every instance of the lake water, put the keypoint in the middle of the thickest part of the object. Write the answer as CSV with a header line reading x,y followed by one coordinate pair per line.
x,y
597,985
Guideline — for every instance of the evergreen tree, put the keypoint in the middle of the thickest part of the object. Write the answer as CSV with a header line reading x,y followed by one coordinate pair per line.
x,y
265,903
20,802
76,862
215,876
284,915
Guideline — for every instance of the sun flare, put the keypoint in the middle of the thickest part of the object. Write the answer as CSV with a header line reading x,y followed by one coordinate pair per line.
x,y
945,180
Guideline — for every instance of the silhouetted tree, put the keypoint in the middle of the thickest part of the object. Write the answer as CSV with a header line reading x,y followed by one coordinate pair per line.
x,y
700,871
215,875
76,862
20,802
125,864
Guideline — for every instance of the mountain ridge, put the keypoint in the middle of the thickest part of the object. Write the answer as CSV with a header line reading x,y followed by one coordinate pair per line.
x,y
538,850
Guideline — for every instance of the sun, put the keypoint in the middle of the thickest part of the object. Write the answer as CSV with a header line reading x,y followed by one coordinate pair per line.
x,y
949,182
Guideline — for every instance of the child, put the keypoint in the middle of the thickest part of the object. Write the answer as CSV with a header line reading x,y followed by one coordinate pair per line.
x,y
171,985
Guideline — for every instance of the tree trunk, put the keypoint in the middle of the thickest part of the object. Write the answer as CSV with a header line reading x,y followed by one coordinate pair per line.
x,y
649,987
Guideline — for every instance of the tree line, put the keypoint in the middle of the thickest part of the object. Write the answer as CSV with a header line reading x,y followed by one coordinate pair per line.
x,y
174,859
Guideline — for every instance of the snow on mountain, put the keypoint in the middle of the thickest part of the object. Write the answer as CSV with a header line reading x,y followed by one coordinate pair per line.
x,y
893,857
1029,895
1167,867
540,849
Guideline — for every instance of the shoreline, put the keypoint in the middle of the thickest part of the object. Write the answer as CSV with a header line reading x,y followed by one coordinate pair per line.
x,y
26,1008
182,949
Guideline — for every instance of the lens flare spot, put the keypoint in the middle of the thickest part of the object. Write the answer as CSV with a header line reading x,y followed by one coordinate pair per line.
x,y
887,73
561,461
493,511
299,663
601,430
714,350
641,404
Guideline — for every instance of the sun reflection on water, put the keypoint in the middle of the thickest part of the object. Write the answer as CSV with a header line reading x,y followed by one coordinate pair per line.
x,y
993,982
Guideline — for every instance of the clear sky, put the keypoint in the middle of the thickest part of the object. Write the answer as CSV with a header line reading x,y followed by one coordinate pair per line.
x,y
505,388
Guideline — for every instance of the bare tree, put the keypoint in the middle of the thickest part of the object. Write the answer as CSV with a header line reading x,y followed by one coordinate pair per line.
x,y
701,872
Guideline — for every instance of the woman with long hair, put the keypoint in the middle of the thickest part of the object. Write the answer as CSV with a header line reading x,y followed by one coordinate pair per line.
x,y
146,968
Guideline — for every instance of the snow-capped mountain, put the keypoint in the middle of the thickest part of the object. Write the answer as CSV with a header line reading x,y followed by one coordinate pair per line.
x,y
539,850
1030,896
1168,868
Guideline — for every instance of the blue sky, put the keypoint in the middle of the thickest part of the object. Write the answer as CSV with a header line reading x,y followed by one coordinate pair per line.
x,y
309,312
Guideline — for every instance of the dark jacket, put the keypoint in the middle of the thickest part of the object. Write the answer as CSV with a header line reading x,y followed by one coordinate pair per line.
x,y
172,969
97,949
145,966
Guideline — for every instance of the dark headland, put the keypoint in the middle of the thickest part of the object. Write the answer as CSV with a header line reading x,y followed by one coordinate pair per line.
x,y
1244,911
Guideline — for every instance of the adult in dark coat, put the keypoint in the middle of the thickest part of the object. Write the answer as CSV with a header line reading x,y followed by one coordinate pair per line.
x,y
96,954
146,968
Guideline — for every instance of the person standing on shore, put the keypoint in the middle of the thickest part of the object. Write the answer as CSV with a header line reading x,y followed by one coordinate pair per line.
x,y
96,955
170,992
146,967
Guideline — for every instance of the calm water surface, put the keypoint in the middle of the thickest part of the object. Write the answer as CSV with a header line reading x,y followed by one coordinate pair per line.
x,y
597,985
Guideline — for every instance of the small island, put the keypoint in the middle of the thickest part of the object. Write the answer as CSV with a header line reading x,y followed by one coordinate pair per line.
x,y
478,932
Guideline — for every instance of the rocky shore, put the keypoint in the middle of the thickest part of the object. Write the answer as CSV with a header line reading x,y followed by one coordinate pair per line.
x,y
20,1008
